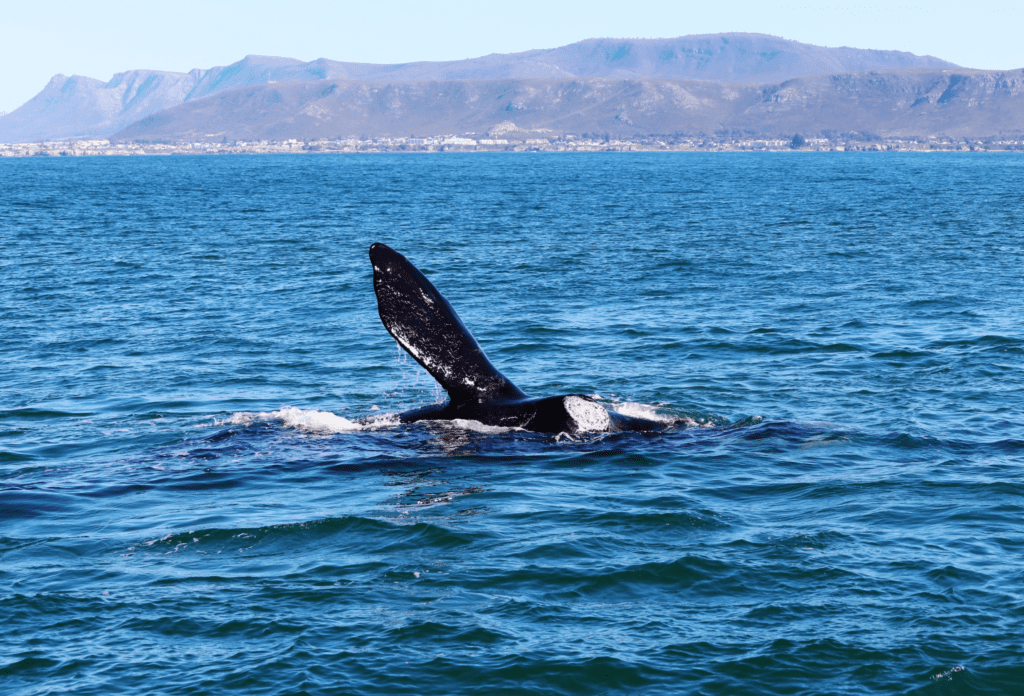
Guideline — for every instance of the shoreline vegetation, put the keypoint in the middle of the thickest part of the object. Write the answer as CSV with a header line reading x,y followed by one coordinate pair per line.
x,y
474,143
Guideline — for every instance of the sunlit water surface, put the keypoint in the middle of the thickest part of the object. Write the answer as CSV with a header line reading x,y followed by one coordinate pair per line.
x,y
203,489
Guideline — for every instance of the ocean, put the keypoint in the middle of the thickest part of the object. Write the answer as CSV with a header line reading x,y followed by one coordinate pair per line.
x,y
204,488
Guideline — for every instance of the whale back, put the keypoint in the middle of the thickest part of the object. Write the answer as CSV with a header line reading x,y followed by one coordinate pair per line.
x,y
425,324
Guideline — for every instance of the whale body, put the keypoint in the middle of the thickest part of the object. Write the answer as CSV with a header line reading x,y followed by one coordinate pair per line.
x,y
427,327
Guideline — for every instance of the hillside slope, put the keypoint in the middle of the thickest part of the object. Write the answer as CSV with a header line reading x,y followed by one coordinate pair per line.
x,y
82,107
893,104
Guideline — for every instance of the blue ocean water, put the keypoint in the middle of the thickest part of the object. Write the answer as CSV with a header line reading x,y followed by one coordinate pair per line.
x,y
202,490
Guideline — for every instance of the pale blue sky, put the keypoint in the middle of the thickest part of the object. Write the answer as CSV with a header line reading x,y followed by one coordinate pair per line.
x,y
39,38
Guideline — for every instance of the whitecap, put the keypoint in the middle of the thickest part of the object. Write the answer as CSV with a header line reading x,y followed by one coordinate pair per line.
x,y
478,427
649,412
645,411
307,420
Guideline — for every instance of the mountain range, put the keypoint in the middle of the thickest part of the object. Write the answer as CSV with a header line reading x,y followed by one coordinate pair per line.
x,y
687,74
903,103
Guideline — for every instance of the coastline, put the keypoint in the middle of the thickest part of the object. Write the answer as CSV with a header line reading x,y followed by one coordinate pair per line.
x,y
94,148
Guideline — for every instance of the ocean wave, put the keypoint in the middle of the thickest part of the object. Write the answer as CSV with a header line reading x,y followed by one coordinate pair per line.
x,y
387,536
37,413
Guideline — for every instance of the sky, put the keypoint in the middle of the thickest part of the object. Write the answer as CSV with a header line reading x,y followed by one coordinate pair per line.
x,y
42,38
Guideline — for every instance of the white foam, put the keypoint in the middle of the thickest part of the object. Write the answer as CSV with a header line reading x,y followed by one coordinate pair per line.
x,y
306,420
649,412
478,427
590,416
645,411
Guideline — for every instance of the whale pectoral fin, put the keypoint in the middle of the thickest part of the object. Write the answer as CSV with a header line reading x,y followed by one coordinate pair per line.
x,y
425,324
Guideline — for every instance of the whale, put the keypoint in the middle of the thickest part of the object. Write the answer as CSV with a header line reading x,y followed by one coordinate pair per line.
x,y
427,327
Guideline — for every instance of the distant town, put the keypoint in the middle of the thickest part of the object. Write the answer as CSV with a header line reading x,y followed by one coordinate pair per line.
x,y
475,143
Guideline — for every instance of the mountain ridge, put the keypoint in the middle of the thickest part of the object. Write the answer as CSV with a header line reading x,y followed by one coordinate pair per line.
x,y
957,103
83,107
